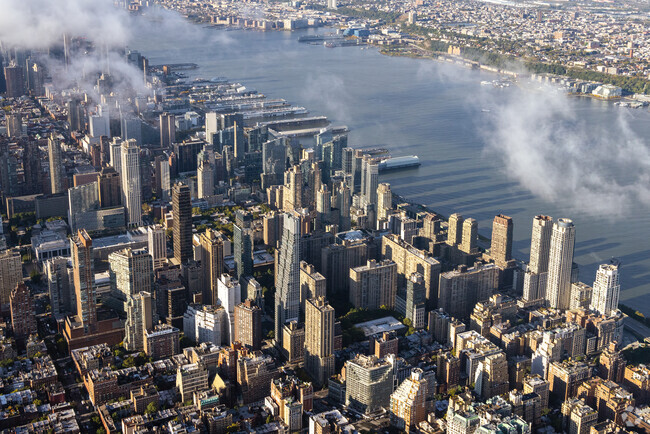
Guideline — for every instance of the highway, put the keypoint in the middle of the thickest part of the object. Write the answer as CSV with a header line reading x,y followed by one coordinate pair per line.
x,y
636,327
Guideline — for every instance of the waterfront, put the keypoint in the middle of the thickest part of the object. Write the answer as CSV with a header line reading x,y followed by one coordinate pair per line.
x,y
435,111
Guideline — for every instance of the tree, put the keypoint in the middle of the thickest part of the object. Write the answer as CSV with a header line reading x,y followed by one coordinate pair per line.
x,y
35,276
269,419
151,408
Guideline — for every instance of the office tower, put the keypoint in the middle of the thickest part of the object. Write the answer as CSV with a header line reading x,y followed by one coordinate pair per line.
x,y
292,189
131,185
415,300
371,175
23,320
287,277
407,403
469,243
272,228
182,212
15,81
410,260
343,200
293,342
455,230
212,243
74,119
374,285
167,130
501,247
537,272
606,289
110,188
34,75
157,245
205,173
83,265
11,273
369,383
319,339
461,289
229,295
163,186
243,244
206,324
273,162
80,200
139,318
384,201
347,161
560,262
56,165
248,324
312,283
116,154
191,378
58,283
14,124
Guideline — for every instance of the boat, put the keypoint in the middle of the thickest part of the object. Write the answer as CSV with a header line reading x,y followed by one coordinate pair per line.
x,y
397,163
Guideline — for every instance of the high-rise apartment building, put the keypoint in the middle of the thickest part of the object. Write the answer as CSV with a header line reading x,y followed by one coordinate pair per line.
x,y
462,288
110,188
56,165
84,280
140,314
384,201
407,403
205,174
131,182
319,339
11,273
414,300
248,324
455,230
501,247
15,81
560,262
182,212
540,246
206,323
23,320
167,130
243,244
606,289
59,288
469,244
312,284
131,272
212,243
157,245
293,190
370,181
374,285
229,296
287,277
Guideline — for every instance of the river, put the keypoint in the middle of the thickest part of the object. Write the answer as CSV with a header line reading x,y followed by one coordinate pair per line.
x,y
474,161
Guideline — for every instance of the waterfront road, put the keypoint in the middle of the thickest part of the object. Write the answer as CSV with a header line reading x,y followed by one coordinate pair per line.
x,y
636,327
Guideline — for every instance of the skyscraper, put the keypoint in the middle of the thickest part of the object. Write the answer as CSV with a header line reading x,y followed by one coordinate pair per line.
x,y
373,285
384,201
131,185
560,262
116,154
157,245
312,283
606,289
11,272
287,277
84,280
56,165
501,247
15,80
407,403
212,263
540,246
248,324
58,283
469,243
205,173
371,175
292,189
139,318
243,244
229,295
369,383
131,272
22,312
182,212
110,188
455,229
319,339
167,130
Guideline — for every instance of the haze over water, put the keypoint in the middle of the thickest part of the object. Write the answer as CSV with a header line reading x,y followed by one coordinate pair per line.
x,y
440,113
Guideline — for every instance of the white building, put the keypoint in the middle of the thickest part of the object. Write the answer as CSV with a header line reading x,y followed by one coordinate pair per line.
x,y
229,295
606,289
131,186
206,324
